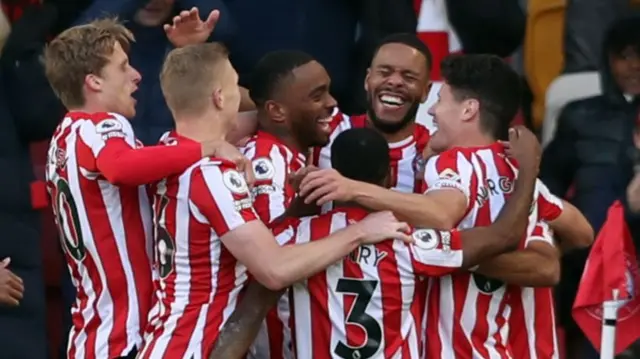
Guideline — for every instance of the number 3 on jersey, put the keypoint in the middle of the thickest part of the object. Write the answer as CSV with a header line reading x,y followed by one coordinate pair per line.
x,y
363,291
66,214
165,243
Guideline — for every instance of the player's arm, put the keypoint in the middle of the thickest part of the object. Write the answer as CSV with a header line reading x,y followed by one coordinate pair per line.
x,y
537,265
572,228
443,205
468,248
249,240
121,163
242,327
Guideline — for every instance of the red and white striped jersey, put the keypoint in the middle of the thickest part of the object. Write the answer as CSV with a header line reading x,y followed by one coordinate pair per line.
x,y
368,305
532,322
105,231
406,155
468,313
273,162
199,279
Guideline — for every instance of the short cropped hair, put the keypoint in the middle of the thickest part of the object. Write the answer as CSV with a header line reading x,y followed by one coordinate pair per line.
x,y
80,51
491,81
410,40
189,75
361,154
272,69
623,34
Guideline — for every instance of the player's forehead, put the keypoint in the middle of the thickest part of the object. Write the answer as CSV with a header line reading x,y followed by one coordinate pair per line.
x,y
399,56
118,55
309,76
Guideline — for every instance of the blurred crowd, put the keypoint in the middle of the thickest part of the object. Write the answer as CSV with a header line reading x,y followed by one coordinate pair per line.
x,y
580,60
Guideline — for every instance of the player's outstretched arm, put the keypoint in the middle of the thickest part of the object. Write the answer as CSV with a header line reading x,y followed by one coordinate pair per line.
x,y
121,163
240,330
572,228
440,209
278,267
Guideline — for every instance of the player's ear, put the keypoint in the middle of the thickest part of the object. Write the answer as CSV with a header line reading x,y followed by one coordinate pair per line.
x,y
275,111
470,108
93,82
217,99
366,80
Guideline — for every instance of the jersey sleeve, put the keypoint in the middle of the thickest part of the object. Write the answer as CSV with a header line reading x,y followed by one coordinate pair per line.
x,y
541,232
219,194
269,190
449,170
549,206
117,156
436,253
108,130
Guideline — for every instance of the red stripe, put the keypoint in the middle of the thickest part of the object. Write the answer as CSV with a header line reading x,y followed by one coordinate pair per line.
x,y
320,322
392,301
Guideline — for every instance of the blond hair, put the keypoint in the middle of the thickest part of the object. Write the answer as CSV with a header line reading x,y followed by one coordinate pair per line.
x,y
189,75
80,51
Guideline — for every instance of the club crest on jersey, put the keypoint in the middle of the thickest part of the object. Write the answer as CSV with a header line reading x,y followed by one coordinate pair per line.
x,y
426,238
234,181
263,168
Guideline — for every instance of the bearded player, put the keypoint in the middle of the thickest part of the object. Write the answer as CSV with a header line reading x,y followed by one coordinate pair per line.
x,y
365,306
397,82
467,185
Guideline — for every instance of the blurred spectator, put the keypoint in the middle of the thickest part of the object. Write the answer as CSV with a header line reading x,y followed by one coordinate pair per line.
x,y
145,19
585,25
591,151
29,112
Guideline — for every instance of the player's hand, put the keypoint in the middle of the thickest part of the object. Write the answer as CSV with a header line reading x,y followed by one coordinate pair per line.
x,y
188,29
380,226
524,147
229,152
11,286
326,185
295,179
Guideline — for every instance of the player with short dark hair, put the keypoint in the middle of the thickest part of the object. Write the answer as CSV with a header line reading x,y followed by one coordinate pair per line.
x,y
291,92
382,284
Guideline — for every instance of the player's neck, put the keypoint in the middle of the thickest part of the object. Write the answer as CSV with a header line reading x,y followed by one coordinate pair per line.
x,y
201,128
89,108
398,136
281,133
474,139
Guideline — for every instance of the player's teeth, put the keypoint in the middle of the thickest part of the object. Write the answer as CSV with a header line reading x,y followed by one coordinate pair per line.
x,y
391,100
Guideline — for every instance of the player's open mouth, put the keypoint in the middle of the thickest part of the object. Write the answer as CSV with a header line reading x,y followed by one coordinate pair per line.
x,y
325,124
391,101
